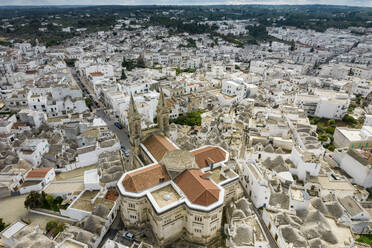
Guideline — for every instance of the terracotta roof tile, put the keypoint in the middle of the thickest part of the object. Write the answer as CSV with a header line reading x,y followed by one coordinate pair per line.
x,y
170,102
158,145
198,189
208,154
38,173
145,178
18,124
95,74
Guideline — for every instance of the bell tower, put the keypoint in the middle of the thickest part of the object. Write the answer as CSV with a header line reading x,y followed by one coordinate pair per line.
x,y
135,130
162,111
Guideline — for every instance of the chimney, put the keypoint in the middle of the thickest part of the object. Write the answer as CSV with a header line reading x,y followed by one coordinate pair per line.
x,y
205,176
210,162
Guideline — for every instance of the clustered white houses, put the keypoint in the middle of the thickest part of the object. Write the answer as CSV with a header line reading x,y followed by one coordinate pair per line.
x,y
65,113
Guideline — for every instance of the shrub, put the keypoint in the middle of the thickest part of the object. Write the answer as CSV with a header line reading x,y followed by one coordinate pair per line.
x,y
37,200
55,226
2,225
331,122
314,120
330,130
323,137
349,119
330,147
190,119
320,128
50,225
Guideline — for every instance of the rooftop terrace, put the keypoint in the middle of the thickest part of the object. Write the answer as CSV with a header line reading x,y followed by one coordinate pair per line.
x,y
85,203
165,196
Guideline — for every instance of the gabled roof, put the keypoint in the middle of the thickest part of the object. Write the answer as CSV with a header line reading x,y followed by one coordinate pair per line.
x,y
145,178
158,145
209,154
38,173
199,189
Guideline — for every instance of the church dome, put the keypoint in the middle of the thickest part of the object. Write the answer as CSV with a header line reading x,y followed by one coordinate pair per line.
x,y
177,161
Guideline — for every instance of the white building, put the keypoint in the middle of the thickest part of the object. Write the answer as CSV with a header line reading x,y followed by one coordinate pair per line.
x,y
353,138
255,184
238,89
91,180
32,150
37,179
31,117
57,101
330,107
357,164
6,122
307,164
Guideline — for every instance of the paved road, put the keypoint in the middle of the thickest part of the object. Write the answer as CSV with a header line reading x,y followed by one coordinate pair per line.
x,y
122,134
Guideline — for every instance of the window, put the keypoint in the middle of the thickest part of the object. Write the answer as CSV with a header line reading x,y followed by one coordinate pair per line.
x,y
213,228
198,218
131,205
197,230
132,216
214,217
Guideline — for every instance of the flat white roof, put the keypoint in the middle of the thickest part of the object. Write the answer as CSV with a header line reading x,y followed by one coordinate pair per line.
x,y
233,82
351,134
91,176
13,229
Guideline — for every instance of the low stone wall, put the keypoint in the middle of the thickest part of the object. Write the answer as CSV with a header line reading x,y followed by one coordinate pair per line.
x,y
50,214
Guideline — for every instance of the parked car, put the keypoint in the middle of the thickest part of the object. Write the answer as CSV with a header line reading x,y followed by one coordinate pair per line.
x,y
117,124
129,236
126,153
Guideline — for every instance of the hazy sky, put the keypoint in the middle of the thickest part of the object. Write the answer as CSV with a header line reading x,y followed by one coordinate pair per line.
x,y
365,3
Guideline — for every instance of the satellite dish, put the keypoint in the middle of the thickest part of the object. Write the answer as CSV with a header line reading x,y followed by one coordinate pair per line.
x,y
166,197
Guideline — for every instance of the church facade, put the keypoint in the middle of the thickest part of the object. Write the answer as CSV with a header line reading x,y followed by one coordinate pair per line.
x,y
178,193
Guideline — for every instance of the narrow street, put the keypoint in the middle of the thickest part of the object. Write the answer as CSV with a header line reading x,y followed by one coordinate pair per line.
x,y
100,112
272,242
122,134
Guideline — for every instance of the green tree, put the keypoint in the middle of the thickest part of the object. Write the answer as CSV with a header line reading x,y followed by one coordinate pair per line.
x,y
50,200
89,102
55,226
322,137
59,228
2,225
349,119
332,122
293,45
50,225
33,200
70,62
43,200
190,119
351,72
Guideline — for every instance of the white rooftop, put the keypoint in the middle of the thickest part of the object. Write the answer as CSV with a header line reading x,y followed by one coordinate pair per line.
x,y
13,229
98,122
91,177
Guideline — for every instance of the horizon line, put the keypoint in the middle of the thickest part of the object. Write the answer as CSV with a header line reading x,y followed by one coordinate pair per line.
x,y
212,4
